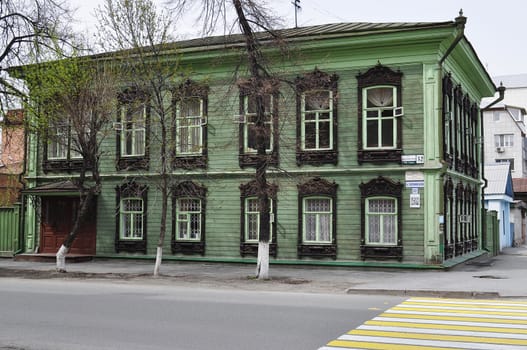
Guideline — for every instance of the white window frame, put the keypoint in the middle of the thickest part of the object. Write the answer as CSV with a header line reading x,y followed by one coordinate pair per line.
x,y
137,128
249,120
317,121
317,214
57,149
192,122
394,214
397,112
131,214
185,216
256,214
504,140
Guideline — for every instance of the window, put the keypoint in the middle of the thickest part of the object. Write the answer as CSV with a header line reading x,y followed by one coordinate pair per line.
x,y
381,221
188,218
504,140
131,218
249,124
131,228
380,117
132,130
381,235
250,219
380,110
189,121
61,149
190,134
248,130
508,160
316,118
496,116
57,146
317,219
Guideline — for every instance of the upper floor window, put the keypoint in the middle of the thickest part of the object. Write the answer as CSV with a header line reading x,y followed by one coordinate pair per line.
x,y
250,134
133,136
131,226
380,115
496,116
132,130
189,124
504,140
61,151
190,132
380,110
317,235
188,222
317,118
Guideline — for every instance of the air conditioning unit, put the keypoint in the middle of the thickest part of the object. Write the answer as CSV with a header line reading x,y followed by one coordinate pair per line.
x,y
500,149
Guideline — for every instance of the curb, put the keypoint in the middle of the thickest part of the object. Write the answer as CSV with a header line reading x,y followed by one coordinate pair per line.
x,y
426,293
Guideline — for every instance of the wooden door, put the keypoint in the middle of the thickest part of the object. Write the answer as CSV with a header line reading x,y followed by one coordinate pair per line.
x,y
58,217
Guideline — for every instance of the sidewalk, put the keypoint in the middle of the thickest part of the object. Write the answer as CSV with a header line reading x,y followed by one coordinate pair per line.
x,y
502,276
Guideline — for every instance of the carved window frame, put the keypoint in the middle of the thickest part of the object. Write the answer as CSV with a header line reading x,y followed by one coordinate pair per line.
x,y
191,89
250,158
379,76
131,190
386,188
189,189
125,100
309,82
321,188
250,190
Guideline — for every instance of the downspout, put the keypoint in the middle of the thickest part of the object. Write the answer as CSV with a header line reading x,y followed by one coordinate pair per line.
x,y
460,25
22,220
501,96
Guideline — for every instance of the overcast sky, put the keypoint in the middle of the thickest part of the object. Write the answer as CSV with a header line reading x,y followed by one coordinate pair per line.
x,y
496,29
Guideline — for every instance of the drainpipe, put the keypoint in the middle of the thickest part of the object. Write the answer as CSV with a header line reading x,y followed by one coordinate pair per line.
x,y
501,96
460,25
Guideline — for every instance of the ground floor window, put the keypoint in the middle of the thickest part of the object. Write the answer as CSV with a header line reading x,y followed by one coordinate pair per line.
x,y
131,228
381,221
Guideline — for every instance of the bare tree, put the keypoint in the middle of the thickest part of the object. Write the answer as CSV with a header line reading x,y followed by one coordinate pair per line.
x,y
139,33
28,30
251,16
72,102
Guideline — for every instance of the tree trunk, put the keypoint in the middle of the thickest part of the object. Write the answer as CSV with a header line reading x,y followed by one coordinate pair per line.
x,y
257,89
159,259
61,258
85,204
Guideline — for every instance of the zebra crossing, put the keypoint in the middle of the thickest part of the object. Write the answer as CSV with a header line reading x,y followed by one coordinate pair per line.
x,y
437,324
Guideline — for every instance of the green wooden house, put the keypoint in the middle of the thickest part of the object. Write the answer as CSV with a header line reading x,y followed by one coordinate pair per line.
x,y
374,153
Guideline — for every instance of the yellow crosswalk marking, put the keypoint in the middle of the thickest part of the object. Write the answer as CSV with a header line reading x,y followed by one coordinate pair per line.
x,y
442,324
446,326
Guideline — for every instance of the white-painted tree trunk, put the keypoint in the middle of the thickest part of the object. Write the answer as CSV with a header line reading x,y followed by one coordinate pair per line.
x,y
61,258
159,258
262,265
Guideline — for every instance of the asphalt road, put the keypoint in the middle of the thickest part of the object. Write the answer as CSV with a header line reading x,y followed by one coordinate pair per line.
x,y
72,314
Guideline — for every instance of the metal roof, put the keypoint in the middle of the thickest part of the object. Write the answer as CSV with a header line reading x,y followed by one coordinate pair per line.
x,y
499,179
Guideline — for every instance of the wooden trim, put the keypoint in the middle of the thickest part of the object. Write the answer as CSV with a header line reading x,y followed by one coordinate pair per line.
x,y
131,189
